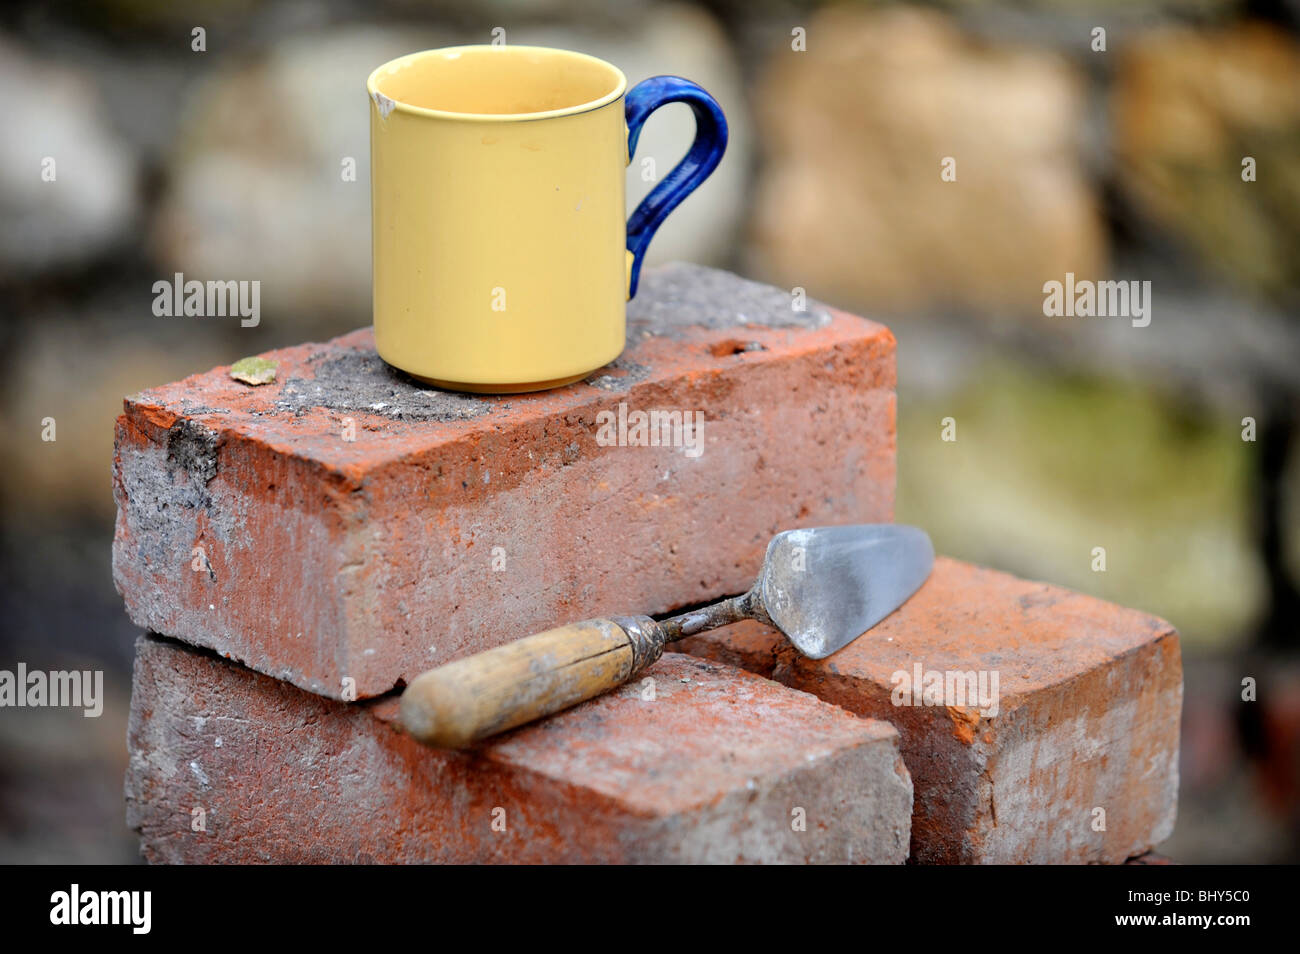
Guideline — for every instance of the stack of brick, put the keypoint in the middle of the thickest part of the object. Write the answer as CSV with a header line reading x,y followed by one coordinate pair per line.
x,y
298,551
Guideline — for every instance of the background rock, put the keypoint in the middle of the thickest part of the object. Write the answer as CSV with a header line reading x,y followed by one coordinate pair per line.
x,y
53,111
851,204
256,188
1189,105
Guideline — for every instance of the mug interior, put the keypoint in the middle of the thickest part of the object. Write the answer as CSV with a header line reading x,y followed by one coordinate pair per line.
x,y
498,81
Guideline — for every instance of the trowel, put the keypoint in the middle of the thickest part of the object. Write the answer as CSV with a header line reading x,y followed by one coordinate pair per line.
x,y
822,587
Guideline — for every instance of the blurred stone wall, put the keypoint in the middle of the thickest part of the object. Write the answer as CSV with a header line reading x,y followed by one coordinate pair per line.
x,y
931,164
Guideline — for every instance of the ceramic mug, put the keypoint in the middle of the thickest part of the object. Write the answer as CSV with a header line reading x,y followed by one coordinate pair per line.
x,y
502,262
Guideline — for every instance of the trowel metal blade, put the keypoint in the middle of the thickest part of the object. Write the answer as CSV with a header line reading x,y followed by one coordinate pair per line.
x,y
826,586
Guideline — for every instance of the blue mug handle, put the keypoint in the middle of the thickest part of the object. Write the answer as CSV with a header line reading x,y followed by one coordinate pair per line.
x,y
706,152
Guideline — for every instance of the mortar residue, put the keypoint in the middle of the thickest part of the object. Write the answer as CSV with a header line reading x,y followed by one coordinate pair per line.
x,y
193,447
631,374
362,381
680,295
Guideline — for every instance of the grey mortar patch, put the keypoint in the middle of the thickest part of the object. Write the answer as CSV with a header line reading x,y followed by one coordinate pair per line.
x,y
361,381
632,373
193,446
677,296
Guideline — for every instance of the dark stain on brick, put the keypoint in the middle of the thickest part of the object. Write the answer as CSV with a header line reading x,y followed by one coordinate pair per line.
x,y
193,446
1040,599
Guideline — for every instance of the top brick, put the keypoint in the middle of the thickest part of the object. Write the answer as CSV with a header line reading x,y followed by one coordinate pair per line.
x,y
345,528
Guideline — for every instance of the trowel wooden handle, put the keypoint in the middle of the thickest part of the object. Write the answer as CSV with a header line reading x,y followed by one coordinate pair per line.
x,y
472,698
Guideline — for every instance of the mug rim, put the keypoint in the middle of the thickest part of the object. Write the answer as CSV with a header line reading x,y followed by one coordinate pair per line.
x,y
620,87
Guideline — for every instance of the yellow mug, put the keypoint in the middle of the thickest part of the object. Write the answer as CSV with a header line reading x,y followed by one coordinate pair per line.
x,y
502,262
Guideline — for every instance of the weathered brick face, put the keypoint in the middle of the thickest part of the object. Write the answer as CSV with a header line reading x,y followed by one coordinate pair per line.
x,y
250,523
715,766
1079,763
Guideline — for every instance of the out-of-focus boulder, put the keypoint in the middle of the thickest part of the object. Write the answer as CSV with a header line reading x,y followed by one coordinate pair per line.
x,y
1190,106
857,129
67,180
256,184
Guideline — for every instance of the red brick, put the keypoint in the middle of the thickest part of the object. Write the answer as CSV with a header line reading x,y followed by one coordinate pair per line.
x,y
1088,715
712,769
372,560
